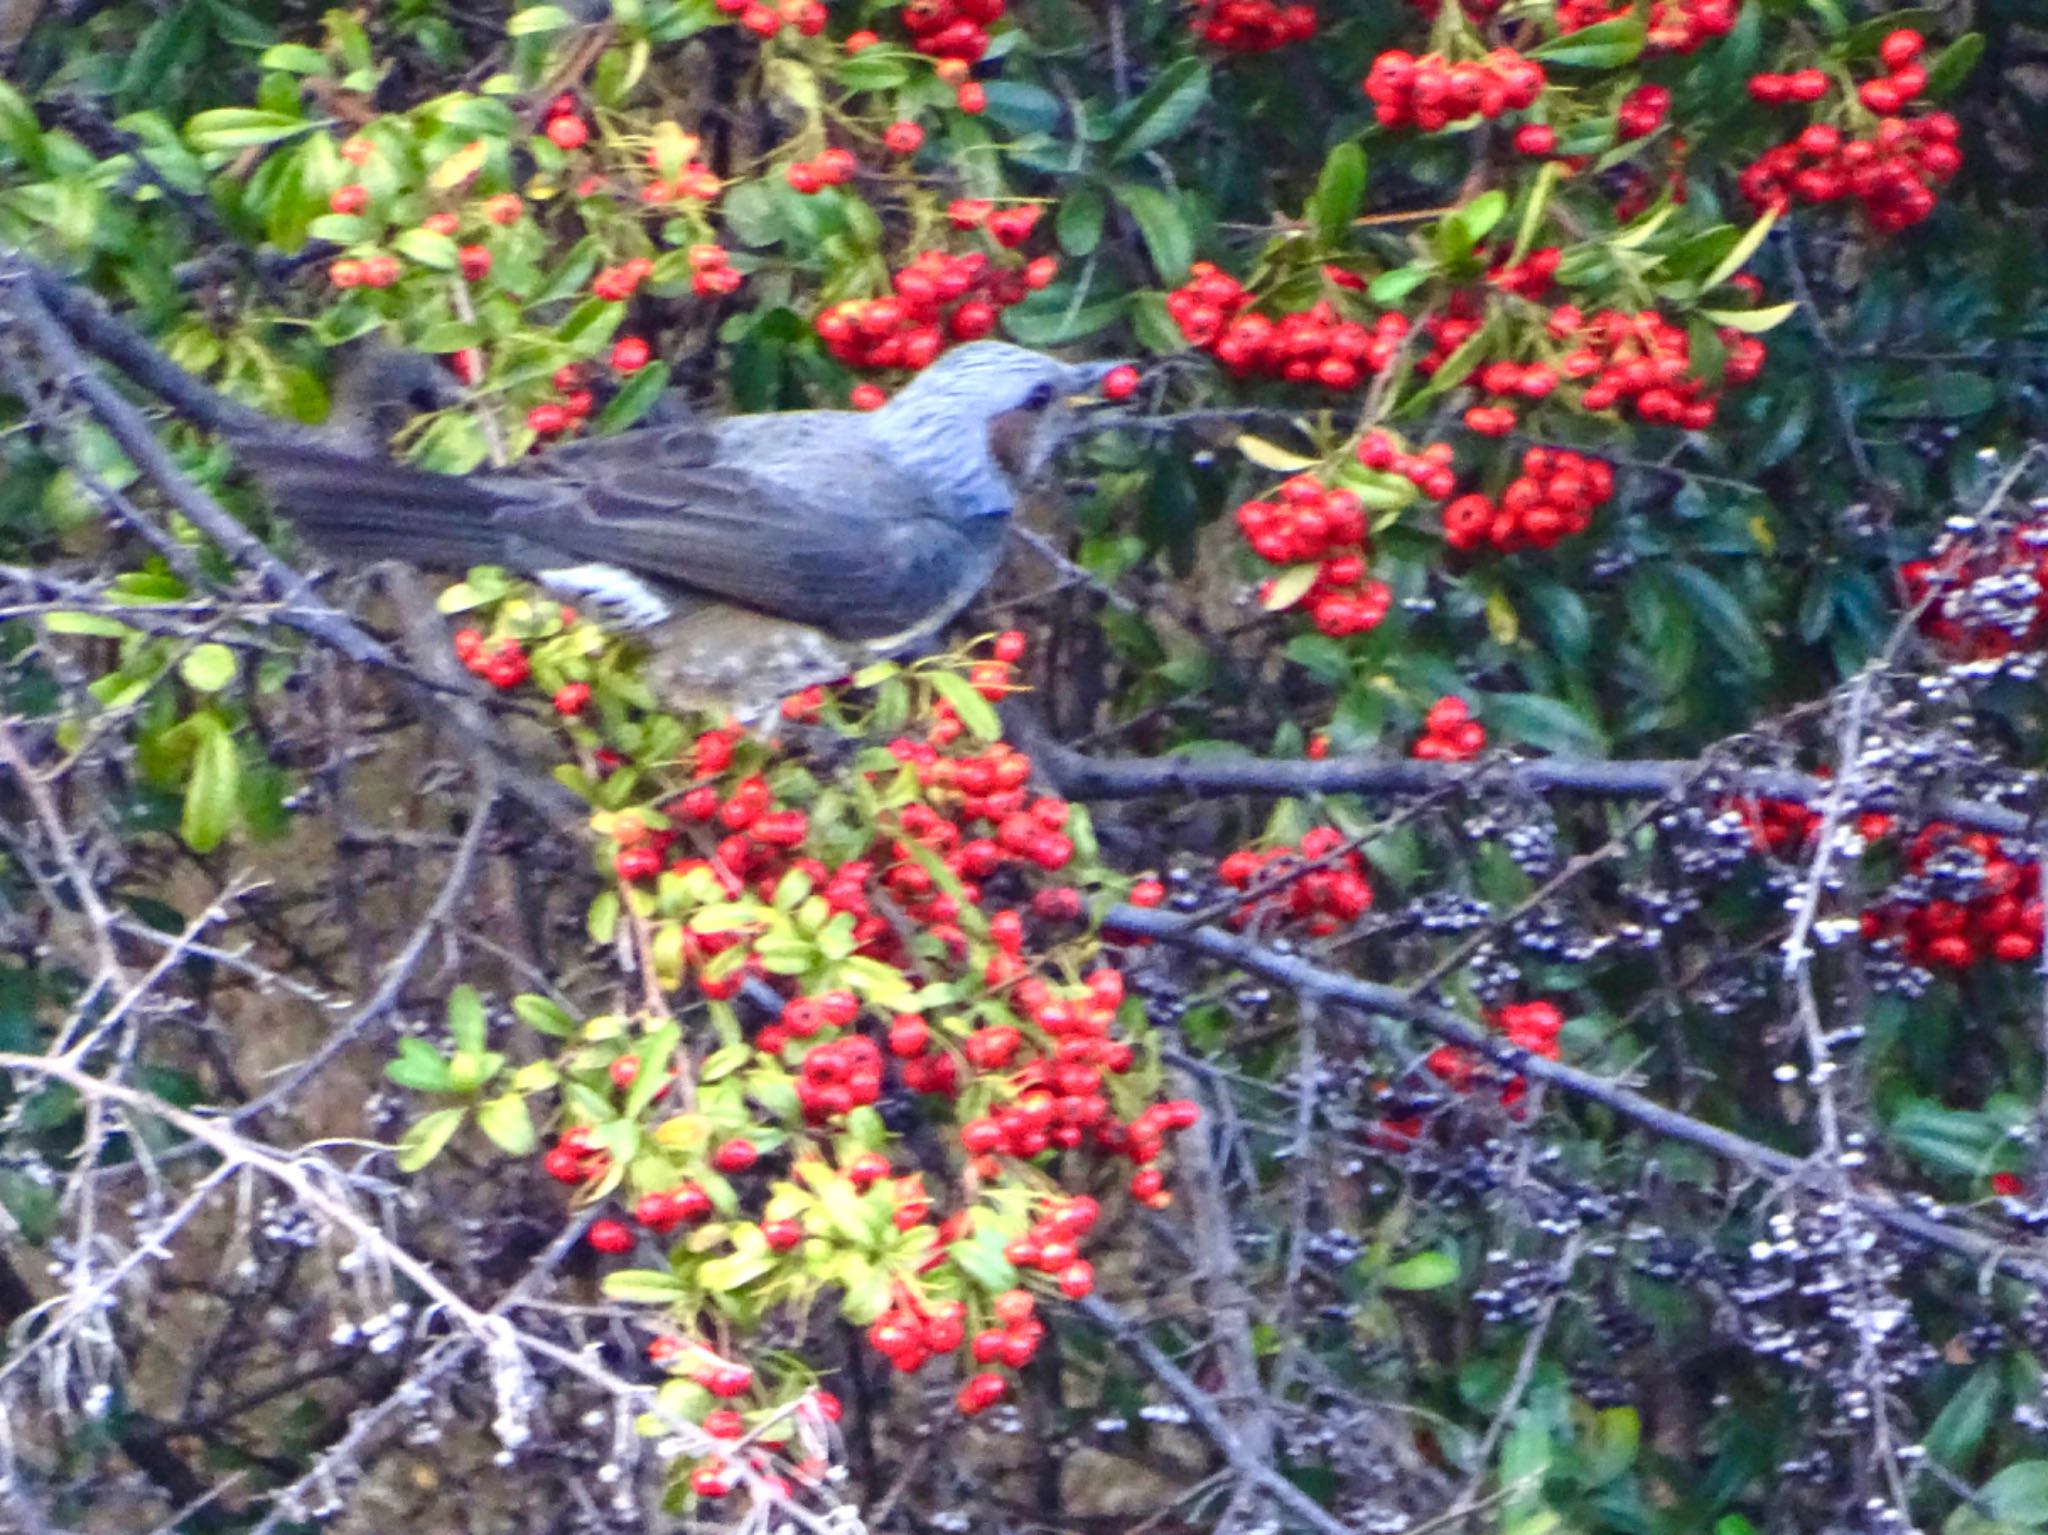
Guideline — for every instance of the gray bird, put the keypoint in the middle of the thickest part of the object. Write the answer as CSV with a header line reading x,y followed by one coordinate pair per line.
x,y
757,554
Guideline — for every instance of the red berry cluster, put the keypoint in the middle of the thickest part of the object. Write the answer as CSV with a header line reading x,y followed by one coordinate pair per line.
x,y
1529,278
1777,826
576,1157
552,417
1055,1072
1429,471
693,181
1675,26
1308,522
501,662
1253,26
565,127
806,17
1316,345
1431,93
616,284
939,298
1905,76
1554,496
1008,227
1449,733
2002,923
1771,90
835,167
1530,1026
1645,360
1892,174
1642,112
1313,882
951,29
1944,588
380,270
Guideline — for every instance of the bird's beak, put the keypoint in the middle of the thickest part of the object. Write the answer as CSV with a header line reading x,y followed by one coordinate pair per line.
x,y
1090,376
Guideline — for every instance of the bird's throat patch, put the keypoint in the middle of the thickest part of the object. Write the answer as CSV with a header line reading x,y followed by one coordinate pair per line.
x,y
1010,437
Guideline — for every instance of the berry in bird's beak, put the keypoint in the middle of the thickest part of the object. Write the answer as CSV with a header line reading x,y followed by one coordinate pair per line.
x,y
1108,384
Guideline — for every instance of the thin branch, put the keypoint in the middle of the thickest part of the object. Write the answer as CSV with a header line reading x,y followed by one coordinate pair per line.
x,y
1382,1001
1202,1411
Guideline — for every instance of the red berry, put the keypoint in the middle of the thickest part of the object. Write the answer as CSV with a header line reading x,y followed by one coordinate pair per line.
x,y
735,1156
571,699
610,1236
629,354
904,138
352,198
1120,382
568,132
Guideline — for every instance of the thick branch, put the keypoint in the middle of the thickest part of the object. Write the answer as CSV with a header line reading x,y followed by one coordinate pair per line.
x,y
1079,776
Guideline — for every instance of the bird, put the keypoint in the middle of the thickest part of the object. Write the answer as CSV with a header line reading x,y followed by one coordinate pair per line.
x,y
754,555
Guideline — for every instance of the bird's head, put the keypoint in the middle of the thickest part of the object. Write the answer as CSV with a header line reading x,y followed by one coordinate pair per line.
x,y
378,389
984,421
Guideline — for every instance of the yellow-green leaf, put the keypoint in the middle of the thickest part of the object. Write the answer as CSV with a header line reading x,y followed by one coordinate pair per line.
x,y
427,1137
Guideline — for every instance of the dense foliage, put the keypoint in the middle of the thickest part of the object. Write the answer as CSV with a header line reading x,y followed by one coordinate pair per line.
x,y
1457,941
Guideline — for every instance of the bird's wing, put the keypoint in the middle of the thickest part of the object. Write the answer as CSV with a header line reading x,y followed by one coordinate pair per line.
x,y
856,552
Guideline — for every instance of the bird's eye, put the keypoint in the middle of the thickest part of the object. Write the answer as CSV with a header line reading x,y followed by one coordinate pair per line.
x,y
1040,397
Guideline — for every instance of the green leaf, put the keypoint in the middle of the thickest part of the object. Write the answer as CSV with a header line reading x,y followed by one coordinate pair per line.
x,y
1751,322
1424,1271
1739,254
1049,318
1079,222
295,58
538,18
209,668
1949,1140
1168,105
240,127
508,1124
1939,394
1339,193
1966,1418
1953,64
427,1138
466,1018
642,390
1393,286
645,1287
1604,45
427,249
542,1016
19,131
1723,616
1455,370
1549,723
874,69
213,787
93,625
419,1066
603,920
2019,1493
1533,210
1162,219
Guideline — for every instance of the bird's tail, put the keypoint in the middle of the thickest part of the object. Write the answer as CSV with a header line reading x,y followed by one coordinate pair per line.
x,y
360,507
